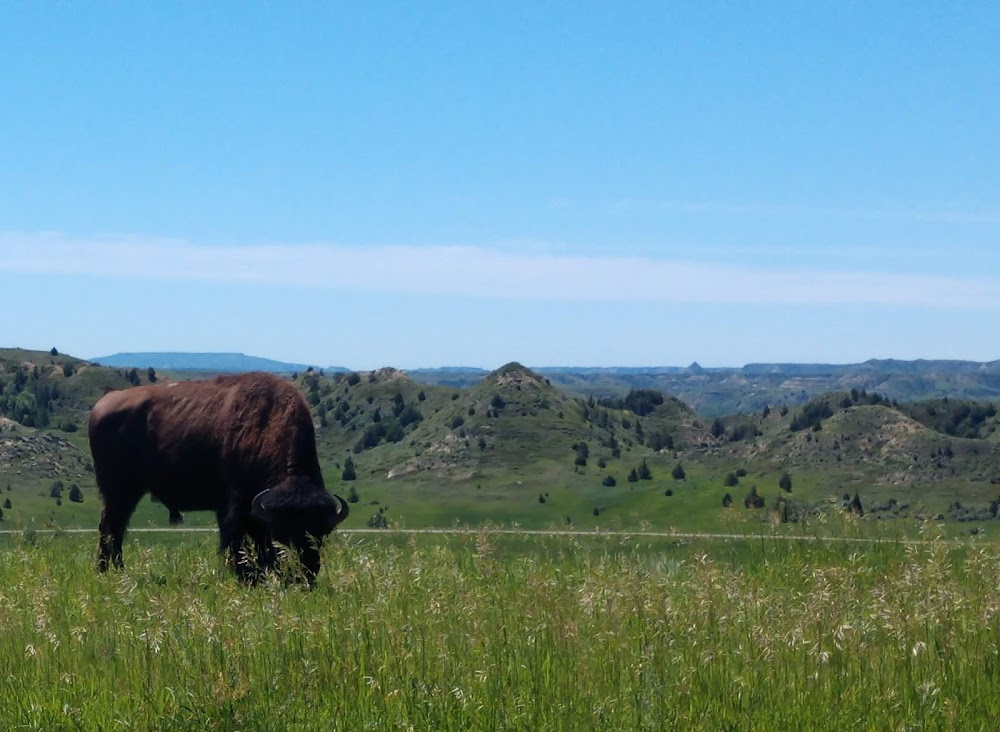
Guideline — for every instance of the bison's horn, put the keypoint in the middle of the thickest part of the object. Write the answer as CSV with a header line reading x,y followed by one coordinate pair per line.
x,y
343,510
257,509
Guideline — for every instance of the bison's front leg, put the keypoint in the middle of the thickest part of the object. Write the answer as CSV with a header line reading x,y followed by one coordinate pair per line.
x,y
247,548
308,551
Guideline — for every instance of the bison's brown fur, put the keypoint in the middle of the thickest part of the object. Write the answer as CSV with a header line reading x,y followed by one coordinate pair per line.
x,y
243,446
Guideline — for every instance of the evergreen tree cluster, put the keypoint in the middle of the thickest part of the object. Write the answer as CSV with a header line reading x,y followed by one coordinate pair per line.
x,y
955,418
811,415
640,402
27,398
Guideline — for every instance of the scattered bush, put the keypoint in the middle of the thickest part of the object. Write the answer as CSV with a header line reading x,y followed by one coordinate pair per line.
x,y
753,499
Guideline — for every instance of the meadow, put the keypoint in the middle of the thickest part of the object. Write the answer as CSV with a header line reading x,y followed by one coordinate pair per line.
x,y
486,631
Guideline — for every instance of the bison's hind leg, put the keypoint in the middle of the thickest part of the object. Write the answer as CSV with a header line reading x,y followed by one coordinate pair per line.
x,y
114,521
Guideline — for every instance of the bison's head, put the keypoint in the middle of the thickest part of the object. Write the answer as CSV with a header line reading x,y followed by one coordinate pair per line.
x,y
299,514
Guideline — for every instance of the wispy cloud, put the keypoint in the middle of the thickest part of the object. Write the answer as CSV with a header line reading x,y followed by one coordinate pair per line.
x,y
779,210
480,272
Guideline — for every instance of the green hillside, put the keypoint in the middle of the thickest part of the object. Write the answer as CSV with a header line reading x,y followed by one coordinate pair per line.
x,y
514,448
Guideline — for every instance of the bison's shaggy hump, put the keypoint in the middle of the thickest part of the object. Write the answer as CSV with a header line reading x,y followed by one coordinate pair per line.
x,y
215,445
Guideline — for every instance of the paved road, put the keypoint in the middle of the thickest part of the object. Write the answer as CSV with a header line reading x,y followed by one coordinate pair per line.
x,y
539,532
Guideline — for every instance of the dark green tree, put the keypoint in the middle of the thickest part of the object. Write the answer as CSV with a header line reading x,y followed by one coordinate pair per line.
x,y
731,480
6,504
394,431
785,482
644,472
660,440
349,472
609,481
633,476
678,472
856,506
718,429
151,375
353,496
133,377
75,494
409,415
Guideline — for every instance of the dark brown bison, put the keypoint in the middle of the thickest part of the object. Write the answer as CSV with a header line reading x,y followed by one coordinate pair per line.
x,y
243,446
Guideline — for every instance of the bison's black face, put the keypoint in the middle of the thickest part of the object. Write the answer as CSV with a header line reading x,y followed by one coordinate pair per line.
x,y
300,514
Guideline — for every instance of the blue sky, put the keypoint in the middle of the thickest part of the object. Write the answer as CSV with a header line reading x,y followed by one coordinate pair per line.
x,y
427,184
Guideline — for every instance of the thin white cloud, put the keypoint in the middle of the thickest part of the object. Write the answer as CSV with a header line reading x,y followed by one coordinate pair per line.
x,y
467,271
765,210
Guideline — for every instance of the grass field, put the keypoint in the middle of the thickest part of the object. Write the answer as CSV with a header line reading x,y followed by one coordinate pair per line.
x,y
491,632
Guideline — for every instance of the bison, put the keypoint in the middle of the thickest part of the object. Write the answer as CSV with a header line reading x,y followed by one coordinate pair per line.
x,y
243,446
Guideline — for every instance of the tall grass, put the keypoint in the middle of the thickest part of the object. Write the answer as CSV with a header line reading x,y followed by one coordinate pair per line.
x,y
493,633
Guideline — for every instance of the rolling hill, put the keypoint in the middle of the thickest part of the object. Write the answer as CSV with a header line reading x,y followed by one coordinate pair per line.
x,y
516,447
719,391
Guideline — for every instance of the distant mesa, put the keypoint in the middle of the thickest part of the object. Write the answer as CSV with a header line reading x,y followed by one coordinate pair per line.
x,y
216,362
